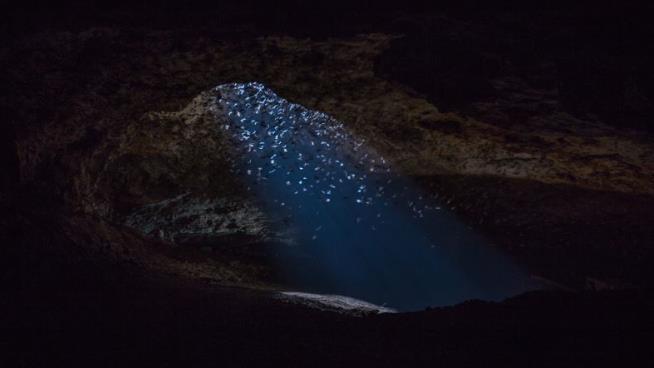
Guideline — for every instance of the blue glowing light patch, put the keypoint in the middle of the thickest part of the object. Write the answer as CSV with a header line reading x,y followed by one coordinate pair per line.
x,y
359,228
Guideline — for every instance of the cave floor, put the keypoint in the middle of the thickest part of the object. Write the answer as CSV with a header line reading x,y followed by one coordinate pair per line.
x,y
138,319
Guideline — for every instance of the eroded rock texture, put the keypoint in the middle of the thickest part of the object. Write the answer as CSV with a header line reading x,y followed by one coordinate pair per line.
x,y
112,134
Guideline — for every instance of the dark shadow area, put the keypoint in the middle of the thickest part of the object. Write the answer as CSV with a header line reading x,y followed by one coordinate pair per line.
x,y
595,66
532,124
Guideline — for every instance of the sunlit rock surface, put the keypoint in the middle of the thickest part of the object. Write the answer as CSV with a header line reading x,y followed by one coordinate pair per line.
x,y
335,303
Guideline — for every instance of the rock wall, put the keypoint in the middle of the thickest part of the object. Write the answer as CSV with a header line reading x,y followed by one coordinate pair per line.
x,y
113,122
